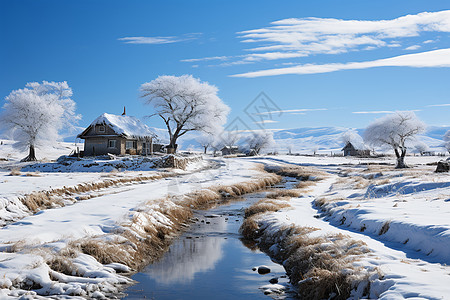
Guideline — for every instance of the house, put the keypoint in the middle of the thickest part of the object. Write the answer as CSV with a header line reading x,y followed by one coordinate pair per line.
x,y
117,135
229,150
350,150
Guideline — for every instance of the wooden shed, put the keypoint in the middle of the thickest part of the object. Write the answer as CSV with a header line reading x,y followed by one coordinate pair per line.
x,y
350,150
117,134
229,150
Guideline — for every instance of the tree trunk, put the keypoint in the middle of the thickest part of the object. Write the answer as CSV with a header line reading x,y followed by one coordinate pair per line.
x,y
172,147
400,159
31,155
206,148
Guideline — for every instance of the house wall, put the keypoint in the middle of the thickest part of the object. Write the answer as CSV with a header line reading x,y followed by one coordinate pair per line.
x,y
96,143
99,146
93,131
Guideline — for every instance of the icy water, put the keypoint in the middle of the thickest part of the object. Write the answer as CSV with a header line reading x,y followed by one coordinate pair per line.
x,y
209,261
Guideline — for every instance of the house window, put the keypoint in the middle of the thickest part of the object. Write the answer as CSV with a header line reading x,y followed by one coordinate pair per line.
x,y
112,143
130,145
100,128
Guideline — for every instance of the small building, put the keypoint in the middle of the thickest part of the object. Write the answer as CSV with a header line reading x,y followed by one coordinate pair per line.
x,y
117,134
229,150
350,150
428,153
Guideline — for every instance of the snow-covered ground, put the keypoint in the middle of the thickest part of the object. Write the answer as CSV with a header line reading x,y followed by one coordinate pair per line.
x,y
402,215
29,244
8,152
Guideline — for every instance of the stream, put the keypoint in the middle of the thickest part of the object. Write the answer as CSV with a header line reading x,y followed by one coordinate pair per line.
x,y
210,261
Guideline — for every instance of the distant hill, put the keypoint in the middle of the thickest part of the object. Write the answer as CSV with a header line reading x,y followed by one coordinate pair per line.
x,y
300,140
305,140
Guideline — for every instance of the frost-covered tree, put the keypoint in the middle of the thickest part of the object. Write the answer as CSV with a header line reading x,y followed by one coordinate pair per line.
x,y
420,147
206,140
351,136
394,130
260,140
447,140
185,104
315,150
34,115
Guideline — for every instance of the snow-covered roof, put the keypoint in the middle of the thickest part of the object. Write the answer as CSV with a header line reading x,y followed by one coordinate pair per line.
x,y
124,125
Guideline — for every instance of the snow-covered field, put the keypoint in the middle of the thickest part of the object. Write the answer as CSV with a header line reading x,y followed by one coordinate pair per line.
x,y
403,216
32,244
8,152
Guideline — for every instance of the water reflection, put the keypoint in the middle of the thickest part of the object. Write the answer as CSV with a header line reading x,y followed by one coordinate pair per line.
x,y
209,261
190,255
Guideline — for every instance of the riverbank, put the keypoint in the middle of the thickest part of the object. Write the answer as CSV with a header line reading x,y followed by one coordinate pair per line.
x,y
358,232
87,249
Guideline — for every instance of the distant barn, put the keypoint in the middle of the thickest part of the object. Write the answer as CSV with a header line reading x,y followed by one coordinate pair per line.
x,y
229,150
118,135
350,150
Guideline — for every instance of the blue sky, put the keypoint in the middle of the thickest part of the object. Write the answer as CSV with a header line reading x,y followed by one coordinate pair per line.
x,y
305,49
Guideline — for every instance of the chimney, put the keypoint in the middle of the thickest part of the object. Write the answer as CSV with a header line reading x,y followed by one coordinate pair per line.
x,y
124,111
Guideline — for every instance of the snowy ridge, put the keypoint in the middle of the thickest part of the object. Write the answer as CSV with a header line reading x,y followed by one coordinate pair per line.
x,y
304,140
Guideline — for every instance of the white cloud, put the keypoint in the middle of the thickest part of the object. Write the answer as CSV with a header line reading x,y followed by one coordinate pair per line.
x,y
157,40
413,47
296,38
266,122
290,111
429,41
205,59
436,58
373,112
327,35
439,105
379,111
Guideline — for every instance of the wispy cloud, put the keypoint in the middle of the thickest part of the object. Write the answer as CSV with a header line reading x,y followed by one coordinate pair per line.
x,y
413,47
206,58
265,122
309,36
380,111
157,40
295,38
290,111
436,58
373,112
439,105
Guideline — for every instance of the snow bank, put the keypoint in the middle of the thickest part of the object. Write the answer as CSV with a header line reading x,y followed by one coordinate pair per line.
x,y
81,249
401,215
112,163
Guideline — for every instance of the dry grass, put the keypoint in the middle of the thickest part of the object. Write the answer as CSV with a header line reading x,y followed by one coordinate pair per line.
x,y
144,240
314,264
15,172
284,193
305,184
149,233
37,201
298,172
383,181
266,205
360,182
62,264
34,174
384,228
320,202
250,227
